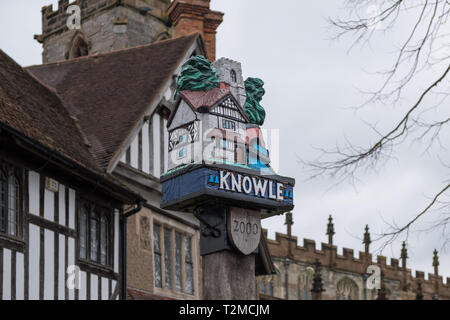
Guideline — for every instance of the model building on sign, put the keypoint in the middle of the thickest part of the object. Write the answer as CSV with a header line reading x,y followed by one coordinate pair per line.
x,y
216,117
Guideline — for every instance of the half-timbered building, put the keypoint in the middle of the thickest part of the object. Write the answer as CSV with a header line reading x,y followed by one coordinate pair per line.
x,y
60,215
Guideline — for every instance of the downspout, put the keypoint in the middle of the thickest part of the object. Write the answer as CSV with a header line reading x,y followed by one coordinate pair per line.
x,y
125,216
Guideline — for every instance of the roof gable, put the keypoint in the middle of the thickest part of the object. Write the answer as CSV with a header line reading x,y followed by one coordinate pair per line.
x,y
110,93
207,100
35,111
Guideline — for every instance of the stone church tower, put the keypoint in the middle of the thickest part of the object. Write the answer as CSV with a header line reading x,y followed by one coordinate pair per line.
x,y
109,25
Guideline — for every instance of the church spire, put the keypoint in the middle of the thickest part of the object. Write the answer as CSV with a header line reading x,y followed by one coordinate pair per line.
x,y
330,229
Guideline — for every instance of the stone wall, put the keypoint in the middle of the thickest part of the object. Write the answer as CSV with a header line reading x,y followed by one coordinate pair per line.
x,y
400,283
106,26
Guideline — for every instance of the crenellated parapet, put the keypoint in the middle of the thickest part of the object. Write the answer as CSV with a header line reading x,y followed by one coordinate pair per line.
x,y
54,21
330,259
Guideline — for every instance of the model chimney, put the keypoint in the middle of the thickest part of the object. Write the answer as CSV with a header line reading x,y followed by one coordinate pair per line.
x,y
190,16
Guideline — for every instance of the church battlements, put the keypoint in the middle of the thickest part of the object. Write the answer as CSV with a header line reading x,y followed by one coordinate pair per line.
x,y
330,258
55,21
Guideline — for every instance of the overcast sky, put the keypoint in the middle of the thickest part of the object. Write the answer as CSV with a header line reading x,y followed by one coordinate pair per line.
x,y
310,83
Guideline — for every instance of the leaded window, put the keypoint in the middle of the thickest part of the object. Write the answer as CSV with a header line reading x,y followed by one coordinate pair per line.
x,y
167,258
83,232
10,201
178,261
157,250
3,202
94,233
173,266
189,265
104,239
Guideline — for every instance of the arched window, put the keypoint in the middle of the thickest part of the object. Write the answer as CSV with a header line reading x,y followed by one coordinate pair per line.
x,y
347,289
13,204
3,202
305,283
233,76
262,287
79,48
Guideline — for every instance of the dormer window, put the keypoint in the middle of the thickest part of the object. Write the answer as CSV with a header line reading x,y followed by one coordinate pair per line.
x,y
233,76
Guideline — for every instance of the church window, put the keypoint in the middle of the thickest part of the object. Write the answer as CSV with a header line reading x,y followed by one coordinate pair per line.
x,y
94,232
79,48
233,76
347,289
270,285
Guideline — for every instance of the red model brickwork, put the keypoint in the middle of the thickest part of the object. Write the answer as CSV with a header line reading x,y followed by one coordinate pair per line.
x,y
190,16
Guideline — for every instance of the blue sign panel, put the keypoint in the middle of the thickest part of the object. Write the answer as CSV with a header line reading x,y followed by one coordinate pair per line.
x,y
227,184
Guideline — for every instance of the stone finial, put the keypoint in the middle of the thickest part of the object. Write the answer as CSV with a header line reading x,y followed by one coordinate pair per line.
x,y
330,229
317,285
404,254
289,222
366,239
289,219
419,292
382,293
436,262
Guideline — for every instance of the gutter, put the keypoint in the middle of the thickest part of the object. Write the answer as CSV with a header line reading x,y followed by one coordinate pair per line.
x,y
125,216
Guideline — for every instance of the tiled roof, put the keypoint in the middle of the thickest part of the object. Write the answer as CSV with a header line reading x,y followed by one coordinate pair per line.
x,y
110,93
35,111
198,99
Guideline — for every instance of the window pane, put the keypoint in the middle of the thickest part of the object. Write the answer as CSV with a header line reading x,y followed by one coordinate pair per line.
x,y
262,287
83,228
157,250
270,289
167,262
13,204
189,266
104,240
2,202
178,260
94,236
189,278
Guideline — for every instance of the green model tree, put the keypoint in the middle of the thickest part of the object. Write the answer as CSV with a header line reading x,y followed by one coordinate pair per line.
x,y
197,74
252,107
